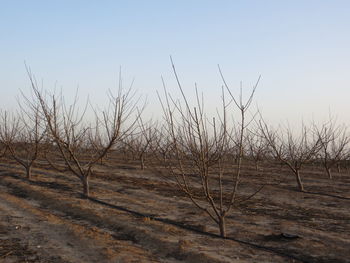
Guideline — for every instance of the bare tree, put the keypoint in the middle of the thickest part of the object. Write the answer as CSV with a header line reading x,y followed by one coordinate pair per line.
x,y
294,151
140,142
334,140
162,147
9,130
22,134
203,170
257,147
82,144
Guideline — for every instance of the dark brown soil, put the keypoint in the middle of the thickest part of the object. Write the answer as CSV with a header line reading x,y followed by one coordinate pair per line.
x,y
141,216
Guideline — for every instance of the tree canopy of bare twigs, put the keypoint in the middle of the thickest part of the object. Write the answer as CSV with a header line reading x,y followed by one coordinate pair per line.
x,y
142,141
203,169
334,141
23,133
82,144
256,147
291,149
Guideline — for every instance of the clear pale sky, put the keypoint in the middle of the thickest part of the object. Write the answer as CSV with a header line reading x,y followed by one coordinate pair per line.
x,y
300,48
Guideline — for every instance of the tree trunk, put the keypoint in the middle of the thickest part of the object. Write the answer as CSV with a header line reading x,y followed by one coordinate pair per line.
x,y
338,167
142,159
29,172
86,188
328,170
222,226
125,155
256,166
300,183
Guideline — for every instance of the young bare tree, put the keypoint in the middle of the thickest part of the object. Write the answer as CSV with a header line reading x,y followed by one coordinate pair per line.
x,y
140,142
162,147
22,135
203,169
9,130
149,140
334,141
257,147
83,143
293,151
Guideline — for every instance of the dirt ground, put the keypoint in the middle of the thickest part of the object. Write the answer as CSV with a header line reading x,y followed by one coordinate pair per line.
x,y
138,216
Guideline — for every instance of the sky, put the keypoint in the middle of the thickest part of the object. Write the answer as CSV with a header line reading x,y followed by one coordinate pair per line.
x,y
301,49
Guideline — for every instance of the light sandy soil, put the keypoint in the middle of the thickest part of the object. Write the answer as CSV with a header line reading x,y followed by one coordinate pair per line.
x,y
138,216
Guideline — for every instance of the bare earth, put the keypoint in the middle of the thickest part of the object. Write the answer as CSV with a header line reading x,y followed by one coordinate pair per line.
x,y
138,216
